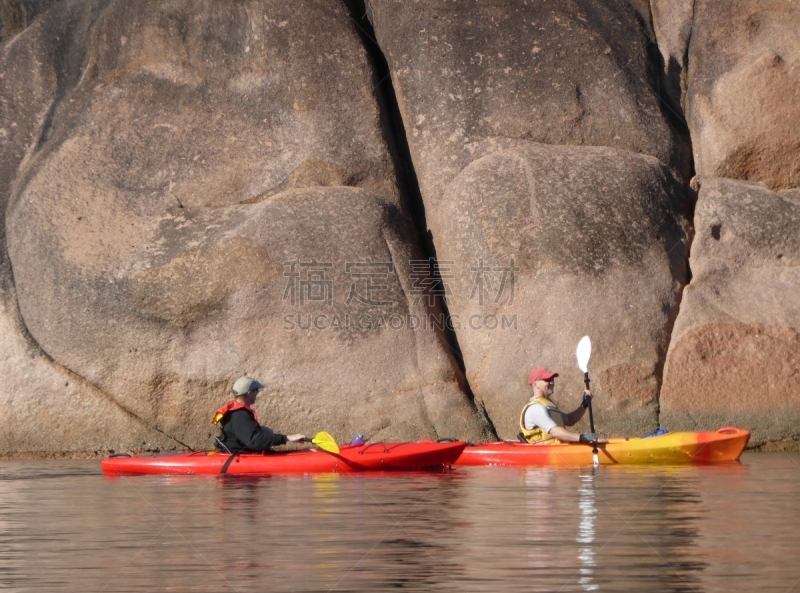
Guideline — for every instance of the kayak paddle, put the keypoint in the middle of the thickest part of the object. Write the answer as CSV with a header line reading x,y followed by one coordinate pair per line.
x,y
584,352
324,441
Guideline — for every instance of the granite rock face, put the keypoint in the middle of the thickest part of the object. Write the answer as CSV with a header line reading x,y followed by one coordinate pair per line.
x,y
743,103
672,25
46,408
475,78
734,358
185,173
16,15
542,256
594,237
193,190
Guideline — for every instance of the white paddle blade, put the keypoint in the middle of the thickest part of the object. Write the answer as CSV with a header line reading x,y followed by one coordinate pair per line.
x,y
584,352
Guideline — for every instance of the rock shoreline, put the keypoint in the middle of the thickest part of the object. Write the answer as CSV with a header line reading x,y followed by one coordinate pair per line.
x,y
177,179
786,446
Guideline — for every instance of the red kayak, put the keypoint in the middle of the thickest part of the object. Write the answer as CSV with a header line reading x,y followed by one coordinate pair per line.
x,y
672,448
351,458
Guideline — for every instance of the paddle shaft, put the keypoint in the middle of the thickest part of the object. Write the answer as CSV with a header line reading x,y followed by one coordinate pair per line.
x,y
591,416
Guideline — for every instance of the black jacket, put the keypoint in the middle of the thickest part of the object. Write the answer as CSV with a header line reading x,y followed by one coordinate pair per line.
x,y
242,434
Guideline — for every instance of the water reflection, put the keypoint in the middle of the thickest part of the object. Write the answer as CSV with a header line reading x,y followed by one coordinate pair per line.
x,y
561,528
63,527
654,533
405,538
370,532
586,532
613,529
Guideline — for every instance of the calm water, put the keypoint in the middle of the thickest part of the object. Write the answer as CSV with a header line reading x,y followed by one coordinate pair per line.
x,y
732,527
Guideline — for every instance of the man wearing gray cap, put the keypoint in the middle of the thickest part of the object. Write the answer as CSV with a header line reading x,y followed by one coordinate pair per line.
x,y
238,422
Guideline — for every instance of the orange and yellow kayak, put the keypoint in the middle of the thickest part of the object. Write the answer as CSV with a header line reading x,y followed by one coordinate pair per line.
x,y
725,444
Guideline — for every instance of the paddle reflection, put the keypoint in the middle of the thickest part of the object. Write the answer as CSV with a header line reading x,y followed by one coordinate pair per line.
x,y
649,518
584,528
586,532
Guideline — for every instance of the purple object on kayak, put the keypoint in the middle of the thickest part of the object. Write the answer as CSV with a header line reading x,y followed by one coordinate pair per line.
x,y
657,433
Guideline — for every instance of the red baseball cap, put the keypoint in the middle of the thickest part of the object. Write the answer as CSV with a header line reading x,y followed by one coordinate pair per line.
x,y
542,374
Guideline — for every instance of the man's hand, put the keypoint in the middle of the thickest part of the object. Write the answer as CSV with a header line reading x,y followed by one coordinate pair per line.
x,y
296,438
591,437
587,399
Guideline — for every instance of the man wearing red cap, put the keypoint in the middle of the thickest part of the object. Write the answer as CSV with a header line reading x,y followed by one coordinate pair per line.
x,y
541,420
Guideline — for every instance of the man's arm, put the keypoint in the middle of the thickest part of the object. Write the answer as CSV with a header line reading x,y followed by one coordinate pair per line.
x,y
541,418
575,416
567,436
254,437
564,435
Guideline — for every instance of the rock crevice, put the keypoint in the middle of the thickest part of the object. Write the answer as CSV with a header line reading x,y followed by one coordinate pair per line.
x,y
395,134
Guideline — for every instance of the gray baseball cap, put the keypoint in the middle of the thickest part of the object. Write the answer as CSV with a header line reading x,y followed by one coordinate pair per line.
x,y
245,384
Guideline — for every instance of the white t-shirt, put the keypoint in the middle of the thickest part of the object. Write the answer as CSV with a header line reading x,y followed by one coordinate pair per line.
x,y
538,415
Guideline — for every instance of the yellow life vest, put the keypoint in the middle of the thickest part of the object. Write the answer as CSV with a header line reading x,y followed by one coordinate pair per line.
x,y
536,434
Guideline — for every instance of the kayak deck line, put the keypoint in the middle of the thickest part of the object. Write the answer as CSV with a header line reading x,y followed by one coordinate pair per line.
x,y
389,456
672,448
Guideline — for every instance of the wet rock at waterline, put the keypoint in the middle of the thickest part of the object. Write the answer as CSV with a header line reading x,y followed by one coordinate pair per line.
x,y
200,168
743,103
735,351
